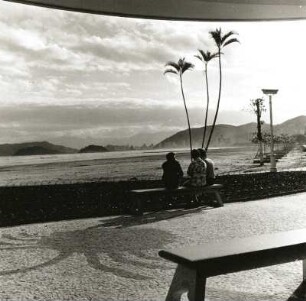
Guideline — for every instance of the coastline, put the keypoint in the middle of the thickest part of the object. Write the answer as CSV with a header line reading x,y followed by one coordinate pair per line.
x,y
116,167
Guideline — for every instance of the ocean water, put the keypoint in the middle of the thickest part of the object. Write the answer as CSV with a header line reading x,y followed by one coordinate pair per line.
x,y
109,166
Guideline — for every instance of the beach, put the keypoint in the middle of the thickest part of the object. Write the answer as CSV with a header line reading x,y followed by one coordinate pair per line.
x,y
116,166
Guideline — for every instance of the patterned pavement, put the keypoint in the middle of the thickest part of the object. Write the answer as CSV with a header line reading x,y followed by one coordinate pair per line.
x,y
115,258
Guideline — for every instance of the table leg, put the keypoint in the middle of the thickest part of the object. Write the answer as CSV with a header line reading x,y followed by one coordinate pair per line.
x,y
300,293
186,280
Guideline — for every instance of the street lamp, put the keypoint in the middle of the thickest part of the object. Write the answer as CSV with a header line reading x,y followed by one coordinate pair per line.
x,y
271,92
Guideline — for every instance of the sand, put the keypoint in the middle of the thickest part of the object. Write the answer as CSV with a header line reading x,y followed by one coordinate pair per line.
x,y
143,167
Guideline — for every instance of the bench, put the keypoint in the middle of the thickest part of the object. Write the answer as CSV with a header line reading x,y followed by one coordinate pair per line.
x,y
196,264
137,197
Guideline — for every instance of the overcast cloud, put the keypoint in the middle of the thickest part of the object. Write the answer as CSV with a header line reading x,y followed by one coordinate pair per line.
x,y
95,77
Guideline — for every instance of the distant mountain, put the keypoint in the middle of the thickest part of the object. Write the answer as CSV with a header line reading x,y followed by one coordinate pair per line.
x,y
224,135
33,148
229,135
147,138
294,126
93,149
135,140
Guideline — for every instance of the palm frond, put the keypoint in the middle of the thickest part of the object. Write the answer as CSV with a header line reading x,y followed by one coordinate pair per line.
x,y
211,56
226,36
202,54
199,57
187,66
173,65
180,66
234,40
170,71
217,31
217,37
207,56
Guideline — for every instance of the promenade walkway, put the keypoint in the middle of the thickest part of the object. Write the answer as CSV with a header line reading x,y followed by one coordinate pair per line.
x,y
115,258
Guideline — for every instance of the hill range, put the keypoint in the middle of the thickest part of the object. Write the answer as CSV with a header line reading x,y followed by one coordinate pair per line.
x,y
230,135
34,148
224,135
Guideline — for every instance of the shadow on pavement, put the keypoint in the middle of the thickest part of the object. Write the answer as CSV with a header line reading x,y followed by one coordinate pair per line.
x,y
300,293
124,252
150,217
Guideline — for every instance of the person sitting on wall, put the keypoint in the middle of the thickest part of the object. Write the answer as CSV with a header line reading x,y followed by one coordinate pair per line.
x,y
196,170
197,174
172,172
210,167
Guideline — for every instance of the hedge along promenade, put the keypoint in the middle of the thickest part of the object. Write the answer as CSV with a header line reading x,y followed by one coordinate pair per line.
x,y
41,203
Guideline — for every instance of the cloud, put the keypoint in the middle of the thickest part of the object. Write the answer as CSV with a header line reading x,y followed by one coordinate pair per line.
x,y
36,122
64,73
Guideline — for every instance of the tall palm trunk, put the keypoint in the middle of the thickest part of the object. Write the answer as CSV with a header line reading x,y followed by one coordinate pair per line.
x,y
187,115
218,103
207,106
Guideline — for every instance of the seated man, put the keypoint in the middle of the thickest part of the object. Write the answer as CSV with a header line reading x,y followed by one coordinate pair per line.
x,y
210,167
173,172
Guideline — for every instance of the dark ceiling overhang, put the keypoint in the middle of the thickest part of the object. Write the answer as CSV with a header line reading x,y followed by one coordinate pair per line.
x,y
202,10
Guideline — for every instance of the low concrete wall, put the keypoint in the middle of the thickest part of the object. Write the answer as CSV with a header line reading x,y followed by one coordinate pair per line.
x,y
245,187
28,204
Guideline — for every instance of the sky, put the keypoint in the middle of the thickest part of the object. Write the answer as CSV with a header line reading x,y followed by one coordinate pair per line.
x,y
78,78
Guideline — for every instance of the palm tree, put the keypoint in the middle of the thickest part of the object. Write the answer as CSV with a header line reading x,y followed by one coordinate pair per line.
x,y
206,57
179,68
258,108
221,41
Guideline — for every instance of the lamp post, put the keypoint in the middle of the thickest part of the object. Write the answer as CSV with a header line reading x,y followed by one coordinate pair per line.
x,y
271,92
